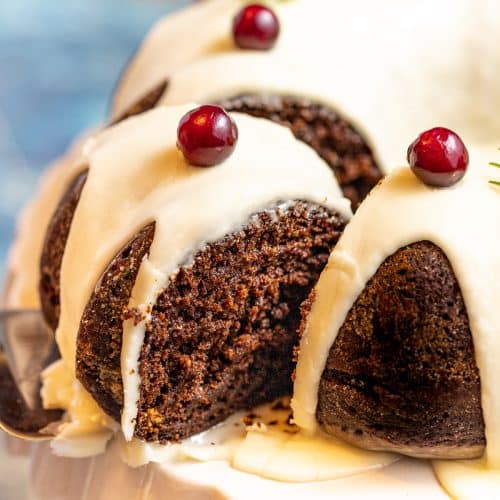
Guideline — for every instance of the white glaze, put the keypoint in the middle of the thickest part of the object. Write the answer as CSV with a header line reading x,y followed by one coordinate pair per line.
x,y
468,479
161,53
460,220
137,175
341,64
276,452
86,429
300,458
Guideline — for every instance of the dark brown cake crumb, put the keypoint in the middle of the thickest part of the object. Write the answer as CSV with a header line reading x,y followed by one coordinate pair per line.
x,y
53,250
320,127
99,341
222,333
401,374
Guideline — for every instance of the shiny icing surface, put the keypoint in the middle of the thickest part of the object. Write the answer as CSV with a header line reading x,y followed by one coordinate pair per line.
x,y
86,428
468,479
136,174
416,212
161,53
300,458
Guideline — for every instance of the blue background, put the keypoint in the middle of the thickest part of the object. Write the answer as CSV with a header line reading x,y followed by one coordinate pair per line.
x,y
59,63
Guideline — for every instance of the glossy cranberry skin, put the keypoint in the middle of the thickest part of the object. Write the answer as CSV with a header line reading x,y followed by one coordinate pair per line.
x,y
206,136
438,157
256,27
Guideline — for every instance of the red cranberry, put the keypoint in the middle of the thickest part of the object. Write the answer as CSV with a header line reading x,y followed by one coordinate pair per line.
x,y
206,136
438,157
256,27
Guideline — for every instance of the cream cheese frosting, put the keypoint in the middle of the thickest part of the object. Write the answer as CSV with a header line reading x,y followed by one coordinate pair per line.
x,y
410,211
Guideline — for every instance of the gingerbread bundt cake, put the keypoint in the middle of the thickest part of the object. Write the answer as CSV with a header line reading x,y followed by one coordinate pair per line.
x,y
317,125
398,349
354,92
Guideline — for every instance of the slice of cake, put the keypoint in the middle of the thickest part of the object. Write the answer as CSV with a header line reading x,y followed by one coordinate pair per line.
x,y
181,285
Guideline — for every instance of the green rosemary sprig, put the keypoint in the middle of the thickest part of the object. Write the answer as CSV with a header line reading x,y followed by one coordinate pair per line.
x,y
496,165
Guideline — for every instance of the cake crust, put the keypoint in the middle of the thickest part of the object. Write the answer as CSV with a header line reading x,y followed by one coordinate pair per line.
x,y
147,102
401,375
99,340
53,250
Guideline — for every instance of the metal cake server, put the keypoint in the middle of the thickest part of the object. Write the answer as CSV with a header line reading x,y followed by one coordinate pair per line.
x,y
27,346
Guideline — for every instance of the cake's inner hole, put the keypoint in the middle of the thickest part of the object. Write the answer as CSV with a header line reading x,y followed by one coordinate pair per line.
x,y
323,129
